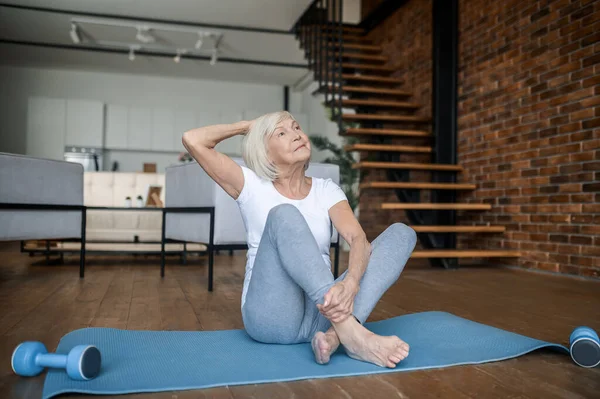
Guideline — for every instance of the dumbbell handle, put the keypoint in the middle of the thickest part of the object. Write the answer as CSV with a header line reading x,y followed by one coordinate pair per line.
x,y
51,360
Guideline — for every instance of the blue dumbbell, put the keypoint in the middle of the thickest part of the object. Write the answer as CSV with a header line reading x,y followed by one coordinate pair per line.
x,y
82,363
585,347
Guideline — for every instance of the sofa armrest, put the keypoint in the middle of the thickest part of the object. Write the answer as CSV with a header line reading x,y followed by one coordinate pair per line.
x,y
27,180
188,185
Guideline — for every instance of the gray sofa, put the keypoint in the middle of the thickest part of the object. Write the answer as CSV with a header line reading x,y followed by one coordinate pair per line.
x,y
41,199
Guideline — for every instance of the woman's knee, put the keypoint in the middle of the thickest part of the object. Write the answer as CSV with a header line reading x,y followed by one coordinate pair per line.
x,y
283,213
402,234
397,242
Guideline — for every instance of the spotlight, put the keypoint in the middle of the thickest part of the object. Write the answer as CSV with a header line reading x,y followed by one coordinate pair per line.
x,y
199,42
213,58
178,56
74,34
143,36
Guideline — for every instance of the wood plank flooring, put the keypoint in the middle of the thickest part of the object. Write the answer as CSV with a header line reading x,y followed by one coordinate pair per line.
x,y
39,302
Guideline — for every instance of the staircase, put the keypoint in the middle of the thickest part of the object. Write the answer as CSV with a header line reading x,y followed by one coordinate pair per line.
x,y
369,104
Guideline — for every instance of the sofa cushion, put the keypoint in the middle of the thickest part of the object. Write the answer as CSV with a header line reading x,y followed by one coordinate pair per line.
x,y
110,189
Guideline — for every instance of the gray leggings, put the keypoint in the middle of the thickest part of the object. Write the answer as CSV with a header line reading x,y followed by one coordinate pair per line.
x,y
290,277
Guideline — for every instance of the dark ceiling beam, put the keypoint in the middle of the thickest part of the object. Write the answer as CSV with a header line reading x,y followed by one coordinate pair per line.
x,y
150,53
149,20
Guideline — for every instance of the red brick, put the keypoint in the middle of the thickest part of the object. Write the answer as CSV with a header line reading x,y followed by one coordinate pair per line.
x,y
529,123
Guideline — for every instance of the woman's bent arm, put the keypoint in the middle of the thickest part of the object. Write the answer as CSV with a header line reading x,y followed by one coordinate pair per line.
x,y
201,142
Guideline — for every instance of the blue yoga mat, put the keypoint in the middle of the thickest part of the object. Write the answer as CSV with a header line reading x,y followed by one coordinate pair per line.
x,y
152,361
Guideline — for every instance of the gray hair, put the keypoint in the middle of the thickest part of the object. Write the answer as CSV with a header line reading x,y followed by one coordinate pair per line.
x,y
254,150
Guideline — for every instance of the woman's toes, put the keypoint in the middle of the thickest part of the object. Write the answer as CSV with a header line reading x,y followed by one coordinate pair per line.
x,y
391,364
395,359
402,354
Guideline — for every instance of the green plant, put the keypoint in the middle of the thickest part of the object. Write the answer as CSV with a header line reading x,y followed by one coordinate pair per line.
x,y
349,177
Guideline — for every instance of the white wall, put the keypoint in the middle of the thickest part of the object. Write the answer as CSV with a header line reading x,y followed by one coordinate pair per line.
x,y
228,99
303,102
351,11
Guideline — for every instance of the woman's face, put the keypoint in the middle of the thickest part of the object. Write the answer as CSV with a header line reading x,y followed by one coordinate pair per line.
x,y
288,145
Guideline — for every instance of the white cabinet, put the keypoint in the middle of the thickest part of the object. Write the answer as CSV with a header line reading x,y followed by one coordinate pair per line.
x,y
184,120
117,117
139,128
163,126
84,123
46,124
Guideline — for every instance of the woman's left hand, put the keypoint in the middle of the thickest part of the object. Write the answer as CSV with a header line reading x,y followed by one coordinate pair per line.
x,y
339,300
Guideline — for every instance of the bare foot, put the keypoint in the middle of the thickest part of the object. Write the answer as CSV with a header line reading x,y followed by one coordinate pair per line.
x,y
324,344
383,351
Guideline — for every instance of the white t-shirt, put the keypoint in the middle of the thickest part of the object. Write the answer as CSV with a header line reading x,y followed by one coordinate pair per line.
x,y
259,196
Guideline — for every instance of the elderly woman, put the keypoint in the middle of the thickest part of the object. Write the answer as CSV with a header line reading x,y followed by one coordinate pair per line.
x,y
289,294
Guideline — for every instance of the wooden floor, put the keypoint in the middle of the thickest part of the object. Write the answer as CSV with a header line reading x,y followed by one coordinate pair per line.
x,y
40,302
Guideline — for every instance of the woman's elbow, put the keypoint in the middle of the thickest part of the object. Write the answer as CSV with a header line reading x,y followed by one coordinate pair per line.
x,y
186,139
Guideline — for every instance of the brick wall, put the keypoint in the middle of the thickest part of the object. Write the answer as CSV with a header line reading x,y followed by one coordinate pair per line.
x,y
529,122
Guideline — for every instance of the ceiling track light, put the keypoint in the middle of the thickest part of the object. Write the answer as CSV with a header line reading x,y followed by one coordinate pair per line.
x,y
74,34
143,35
131,53
178,56
200,40
213,58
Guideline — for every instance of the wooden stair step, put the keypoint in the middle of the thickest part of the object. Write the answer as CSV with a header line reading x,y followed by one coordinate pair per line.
x,y
371,78
350,103
354,46
365,67
418,185
358,56
385,118
346,38
437,206
458,229
386,132
375,90
399,165
464,253
345,28
353,29
387,147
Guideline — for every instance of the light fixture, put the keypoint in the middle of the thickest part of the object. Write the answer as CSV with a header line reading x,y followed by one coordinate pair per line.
x,y
131,54
199,42
74,34
178,56
213,58
143,35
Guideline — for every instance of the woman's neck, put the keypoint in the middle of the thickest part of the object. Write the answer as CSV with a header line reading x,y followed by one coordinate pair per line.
x,y
293,183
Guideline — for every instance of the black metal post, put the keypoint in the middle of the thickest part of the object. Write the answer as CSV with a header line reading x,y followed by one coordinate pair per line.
x,y
319,69
162,243
313,36
184,254
82,248
286,98
211,242
444,108
336,259
325,61
339,71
